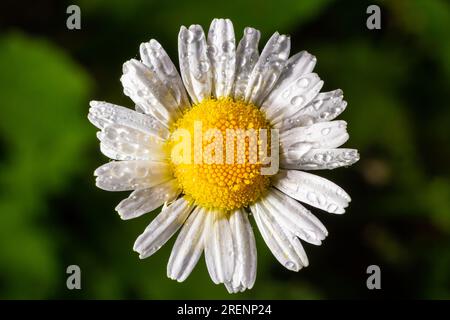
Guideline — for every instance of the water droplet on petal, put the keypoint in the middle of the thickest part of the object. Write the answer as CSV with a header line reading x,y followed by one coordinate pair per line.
x,y
249,31
228,46
286,93
290,265
204,66
297,101
325,131
302,83
311,196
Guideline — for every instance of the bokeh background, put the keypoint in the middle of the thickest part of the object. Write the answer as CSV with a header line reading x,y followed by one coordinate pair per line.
x,y
396,81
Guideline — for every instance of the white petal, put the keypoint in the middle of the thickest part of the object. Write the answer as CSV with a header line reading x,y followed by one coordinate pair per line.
x,y
245,252
124,143
219,247
231,289
285,101
299,64
326,106
268,68
143,86
318,159
293,151
319,135
188,246
295,217
222,55
131,175
247,55
155,57
162,228
102,114
284,245
313,190
146,200
194,64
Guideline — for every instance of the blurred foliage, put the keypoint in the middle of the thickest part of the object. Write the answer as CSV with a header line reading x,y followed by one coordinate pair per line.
x,y
43,133
396,83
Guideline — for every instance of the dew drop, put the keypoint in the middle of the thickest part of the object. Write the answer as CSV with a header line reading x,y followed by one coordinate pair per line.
x,y
286,93
297,101
319,157
324,115
290,265
311,196
325,131
228,46
188,37
242,64
328,157
212,51
144,52
204,66
302,83
111,133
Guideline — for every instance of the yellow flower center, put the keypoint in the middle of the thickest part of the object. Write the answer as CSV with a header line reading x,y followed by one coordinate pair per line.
x,y
216,150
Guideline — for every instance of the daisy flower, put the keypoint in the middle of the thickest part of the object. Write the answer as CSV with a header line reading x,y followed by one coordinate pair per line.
x,y
171,151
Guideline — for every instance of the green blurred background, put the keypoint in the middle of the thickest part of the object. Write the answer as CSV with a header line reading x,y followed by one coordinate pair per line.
x,y
396,81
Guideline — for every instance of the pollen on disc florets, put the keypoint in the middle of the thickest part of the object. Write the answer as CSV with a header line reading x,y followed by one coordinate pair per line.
x,y
206,180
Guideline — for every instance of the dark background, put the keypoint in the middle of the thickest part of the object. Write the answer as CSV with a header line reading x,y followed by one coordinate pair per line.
x,y
396,81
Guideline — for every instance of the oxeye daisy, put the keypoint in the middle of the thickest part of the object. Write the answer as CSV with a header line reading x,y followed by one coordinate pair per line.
x,y
229,139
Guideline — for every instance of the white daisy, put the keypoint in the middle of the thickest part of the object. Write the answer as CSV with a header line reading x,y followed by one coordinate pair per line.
x,y
224,88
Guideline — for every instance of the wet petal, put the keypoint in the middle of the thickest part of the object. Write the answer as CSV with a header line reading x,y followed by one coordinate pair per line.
x,y
143,86
268,68
155,57
102,114
194,64
120,142
222,55
319,159
219,247
247,56
162,228
244,275
131,175
326,106
284,245
313,190
319,135
145,200
188,247
282,103
296,66
295,217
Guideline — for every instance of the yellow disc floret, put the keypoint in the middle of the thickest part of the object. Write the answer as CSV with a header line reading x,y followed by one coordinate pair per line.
x,y
214,150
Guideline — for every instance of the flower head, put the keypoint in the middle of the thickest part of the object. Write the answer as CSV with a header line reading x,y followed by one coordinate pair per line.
x,y
232,137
